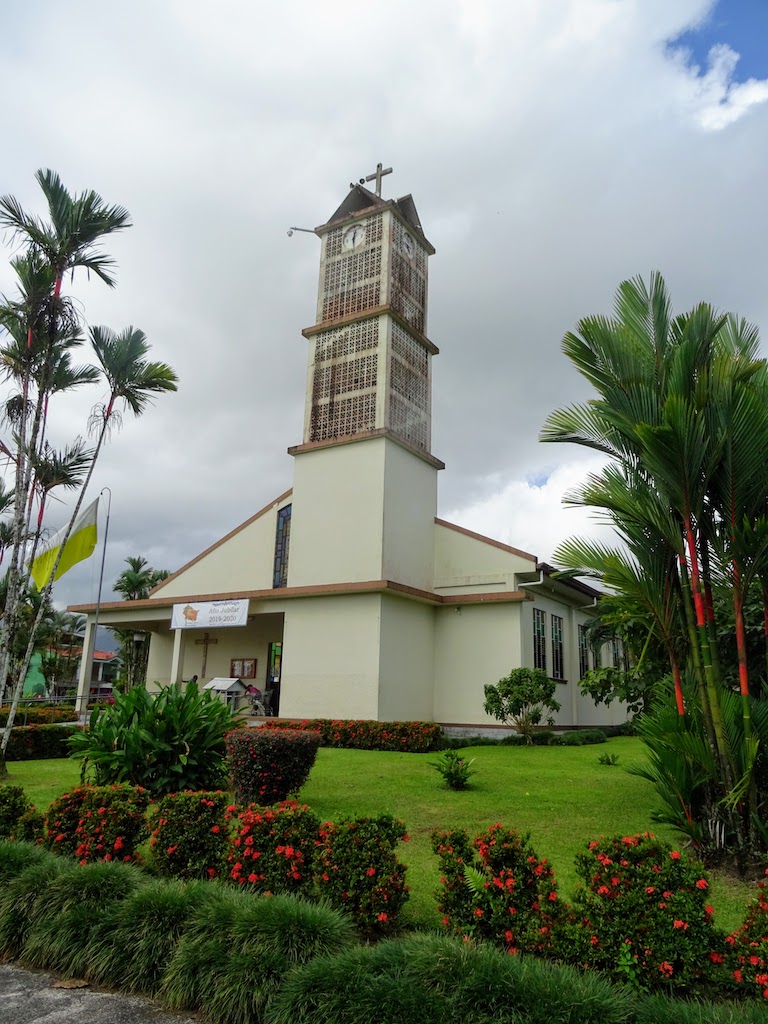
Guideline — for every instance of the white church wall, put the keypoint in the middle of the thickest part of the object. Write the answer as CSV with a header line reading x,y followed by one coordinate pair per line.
x,y
410,502
468,564
474,645
406,680
159,661
331,657
241,561
336,522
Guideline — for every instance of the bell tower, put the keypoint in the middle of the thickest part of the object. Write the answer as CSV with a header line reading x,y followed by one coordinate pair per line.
x,y
370,358
365,459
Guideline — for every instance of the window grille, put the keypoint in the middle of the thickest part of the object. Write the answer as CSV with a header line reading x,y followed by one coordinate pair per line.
x,y
557,648
540,639
616,652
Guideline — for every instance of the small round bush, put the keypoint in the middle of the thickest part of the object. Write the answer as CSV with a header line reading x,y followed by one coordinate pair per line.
x,y
191,834
13,803
268,765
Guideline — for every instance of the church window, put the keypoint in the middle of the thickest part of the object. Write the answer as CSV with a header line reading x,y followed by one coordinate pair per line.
x,y
557,648
540,639
282,542
583,651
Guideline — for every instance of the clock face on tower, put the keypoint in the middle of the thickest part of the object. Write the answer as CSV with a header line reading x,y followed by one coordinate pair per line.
x,y
353,237
408,246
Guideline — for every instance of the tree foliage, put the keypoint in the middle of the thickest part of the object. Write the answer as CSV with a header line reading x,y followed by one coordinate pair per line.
x,y
681,413
521,698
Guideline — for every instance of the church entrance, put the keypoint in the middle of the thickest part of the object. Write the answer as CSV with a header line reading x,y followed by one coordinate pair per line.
x,y
274,661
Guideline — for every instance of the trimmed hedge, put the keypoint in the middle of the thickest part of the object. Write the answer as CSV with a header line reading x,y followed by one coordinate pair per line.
x,y
190,837
268,765
33,715
39,742
364,734
98,823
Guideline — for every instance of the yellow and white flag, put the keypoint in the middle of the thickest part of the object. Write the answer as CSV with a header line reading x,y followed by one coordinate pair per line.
x,y
81,543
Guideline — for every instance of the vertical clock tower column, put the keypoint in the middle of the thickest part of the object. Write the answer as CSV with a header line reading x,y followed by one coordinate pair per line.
x,y
365,482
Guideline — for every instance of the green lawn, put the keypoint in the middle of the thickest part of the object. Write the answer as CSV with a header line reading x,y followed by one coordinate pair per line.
x,y
561,795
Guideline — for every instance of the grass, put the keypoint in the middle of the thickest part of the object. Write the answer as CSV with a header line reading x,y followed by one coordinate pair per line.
x,y
563,796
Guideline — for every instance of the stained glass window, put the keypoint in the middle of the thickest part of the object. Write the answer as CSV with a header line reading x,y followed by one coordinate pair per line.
x,y
282,542
539,639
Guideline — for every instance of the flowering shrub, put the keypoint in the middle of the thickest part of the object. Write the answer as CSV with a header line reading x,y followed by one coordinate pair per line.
x,y
266,765
357,870
748,953
273,849
507,895
33,715
363,734
98,823
191,834
645,916
39,742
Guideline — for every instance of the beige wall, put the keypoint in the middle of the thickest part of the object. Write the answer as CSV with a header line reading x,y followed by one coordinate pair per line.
x,y
362,511
466,565
410,503
244,562
474,645
331,657
407,668
336,523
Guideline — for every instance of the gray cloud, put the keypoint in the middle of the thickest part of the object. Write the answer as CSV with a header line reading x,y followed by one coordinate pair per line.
x,y
553,149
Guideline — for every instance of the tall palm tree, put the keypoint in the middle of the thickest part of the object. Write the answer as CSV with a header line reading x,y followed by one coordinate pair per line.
x,y
681,412
133,382
67,241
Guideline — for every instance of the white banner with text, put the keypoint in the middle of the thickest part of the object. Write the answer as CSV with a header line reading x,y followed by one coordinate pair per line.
x,y
209,614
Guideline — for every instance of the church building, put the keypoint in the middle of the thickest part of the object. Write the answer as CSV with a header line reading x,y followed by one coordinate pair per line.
x,y
346,596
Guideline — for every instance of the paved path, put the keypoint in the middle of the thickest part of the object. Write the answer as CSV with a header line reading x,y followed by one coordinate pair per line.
x,y
26,997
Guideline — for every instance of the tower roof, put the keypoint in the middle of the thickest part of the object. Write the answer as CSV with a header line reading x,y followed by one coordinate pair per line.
x,y
361,200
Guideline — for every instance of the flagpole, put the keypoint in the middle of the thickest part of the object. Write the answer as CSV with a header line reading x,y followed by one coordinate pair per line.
x,y
92,647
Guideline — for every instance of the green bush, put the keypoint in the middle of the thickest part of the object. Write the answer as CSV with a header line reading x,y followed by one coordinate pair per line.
x,y
165,742
455,771
237,949
507,895
23,893
98,823
579,738
358,872
13,803
366,734
440,980
191,835
273,849
748,947
40,742
77,903
133,952
521,699
642,916
268,765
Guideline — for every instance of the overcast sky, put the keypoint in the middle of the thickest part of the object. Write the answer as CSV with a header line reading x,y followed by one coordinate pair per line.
x,y
553,149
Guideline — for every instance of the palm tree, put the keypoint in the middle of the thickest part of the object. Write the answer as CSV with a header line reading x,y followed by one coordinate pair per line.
x,y
681,413
135,584
69,240
133,382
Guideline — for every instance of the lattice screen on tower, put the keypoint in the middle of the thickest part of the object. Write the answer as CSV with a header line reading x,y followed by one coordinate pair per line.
x,y
408,289
409,406
344,381
352,280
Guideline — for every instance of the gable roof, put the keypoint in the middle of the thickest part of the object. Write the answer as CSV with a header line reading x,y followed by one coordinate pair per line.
x,y
361,200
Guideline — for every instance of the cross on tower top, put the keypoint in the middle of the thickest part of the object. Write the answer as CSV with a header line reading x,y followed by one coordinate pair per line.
x,y
376,176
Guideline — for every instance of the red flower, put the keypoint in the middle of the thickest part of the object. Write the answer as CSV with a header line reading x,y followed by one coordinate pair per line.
x,y
370,872
702,884
383,917
674,855
666,969
680,924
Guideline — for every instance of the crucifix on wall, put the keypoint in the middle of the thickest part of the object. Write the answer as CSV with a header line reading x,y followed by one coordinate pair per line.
x,y
206,640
